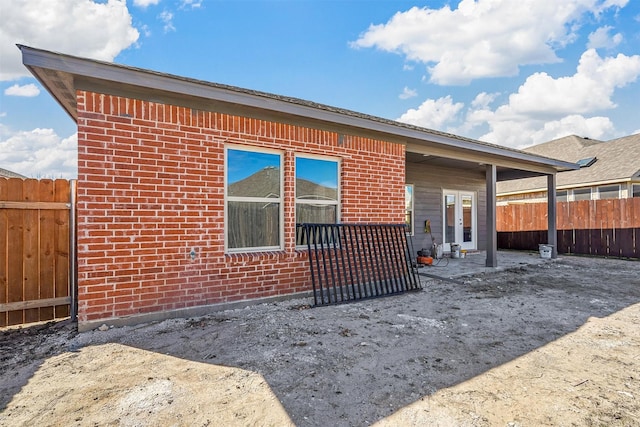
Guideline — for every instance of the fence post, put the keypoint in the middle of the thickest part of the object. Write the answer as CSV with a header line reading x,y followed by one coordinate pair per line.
x,y
73,249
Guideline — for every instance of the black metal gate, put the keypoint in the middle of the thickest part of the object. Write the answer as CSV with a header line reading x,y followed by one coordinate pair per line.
x,y
357,261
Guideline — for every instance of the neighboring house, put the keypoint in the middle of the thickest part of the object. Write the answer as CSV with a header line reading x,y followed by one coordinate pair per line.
x,y
5,173
189,192
608,170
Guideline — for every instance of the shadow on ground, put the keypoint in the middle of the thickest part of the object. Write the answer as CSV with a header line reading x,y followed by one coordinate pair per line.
x,y
358,363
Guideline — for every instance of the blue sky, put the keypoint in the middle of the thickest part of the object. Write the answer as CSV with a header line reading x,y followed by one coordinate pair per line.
x,y
513,73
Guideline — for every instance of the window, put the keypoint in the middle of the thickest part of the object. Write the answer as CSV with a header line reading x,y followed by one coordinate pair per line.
x,y
562,196
253,190
636,190
582,194
408,207
585,163
609,192
317,191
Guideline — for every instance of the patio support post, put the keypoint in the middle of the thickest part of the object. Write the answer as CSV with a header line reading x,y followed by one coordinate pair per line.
x,y
552,232
492,234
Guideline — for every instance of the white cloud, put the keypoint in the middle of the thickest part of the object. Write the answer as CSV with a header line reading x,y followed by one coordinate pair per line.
x,y
39,153
600,38
192,4
482,38
433,114
483,99
146,30
145,3
29,90
408,93
167,18
590,89
543,108
546,108
522,133
593,127
103,31
606,4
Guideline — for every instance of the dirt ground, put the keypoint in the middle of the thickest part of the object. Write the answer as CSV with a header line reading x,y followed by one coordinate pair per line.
x,y
554,344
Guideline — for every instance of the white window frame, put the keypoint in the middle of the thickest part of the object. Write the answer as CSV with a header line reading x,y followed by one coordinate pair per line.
x,y
337,203
633,190
279,200
413,208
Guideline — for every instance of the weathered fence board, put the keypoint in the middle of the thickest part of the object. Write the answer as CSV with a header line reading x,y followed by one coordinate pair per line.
x,y
34,250
579,215
618,242
590,227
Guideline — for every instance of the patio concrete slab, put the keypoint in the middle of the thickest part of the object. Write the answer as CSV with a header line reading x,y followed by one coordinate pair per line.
x,y
474,263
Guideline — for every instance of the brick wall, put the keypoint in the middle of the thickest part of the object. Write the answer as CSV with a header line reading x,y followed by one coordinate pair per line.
x,y
150,190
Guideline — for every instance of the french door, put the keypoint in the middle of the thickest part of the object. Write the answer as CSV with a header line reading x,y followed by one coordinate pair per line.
x,y
460,219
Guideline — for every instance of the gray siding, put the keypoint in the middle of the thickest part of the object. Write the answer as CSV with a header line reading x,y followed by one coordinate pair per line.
x,y
429,183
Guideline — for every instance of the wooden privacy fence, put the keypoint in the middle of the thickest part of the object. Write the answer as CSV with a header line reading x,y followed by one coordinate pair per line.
x,y
591,227
36,254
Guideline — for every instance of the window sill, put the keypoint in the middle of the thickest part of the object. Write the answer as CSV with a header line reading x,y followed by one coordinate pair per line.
x,y
264,256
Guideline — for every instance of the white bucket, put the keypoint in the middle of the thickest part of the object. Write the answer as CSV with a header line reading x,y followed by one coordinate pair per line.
x,y
545,251
455,250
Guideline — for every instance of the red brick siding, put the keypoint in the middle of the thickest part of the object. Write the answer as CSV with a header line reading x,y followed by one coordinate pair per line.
x,y
150,189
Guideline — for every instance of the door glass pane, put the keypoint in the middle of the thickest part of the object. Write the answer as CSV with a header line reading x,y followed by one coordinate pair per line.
x,y
467,217
450,218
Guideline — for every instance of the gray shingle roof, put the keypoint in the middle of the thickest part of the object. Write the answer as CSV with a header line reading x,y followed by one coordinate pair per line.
x,y
616,160
62,74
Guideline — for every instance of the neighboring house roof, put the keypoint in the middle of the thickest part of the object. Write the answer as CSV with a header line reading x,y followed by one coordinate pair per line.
x,y
616,160
266,183
63,74
5,173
